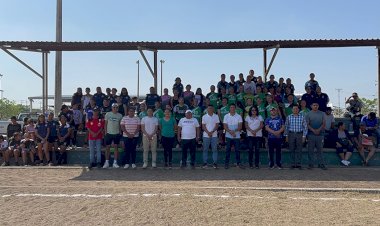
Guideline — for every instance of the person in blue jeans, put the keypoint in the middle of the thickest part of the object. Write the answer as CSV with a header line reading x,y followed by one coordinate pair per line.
x,y
210,124
233,124
275,127
95,127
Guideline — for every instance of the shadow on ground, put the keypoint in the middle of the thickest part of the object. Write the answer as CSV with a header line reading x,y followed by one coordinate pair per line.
x,y
198,174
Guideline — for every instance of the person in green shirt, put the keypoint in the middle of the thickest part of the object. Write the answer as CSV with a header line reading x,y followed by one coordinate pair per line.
x,y
196,110
248,95
270,104
261,107
304,110
248,106
224,109
213,97
231,96
289,104
240,97
168,126
158,113
206,104
143,109
180,109
260,94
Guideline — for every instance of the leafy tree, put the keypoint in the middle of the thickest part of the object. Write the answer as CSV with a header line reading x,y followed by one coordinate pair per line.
x,y
369,106
10,108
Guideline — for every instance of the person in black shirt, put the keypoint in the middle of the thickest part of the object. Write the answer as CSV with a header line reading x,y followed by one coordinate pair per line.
x,y
77,98
13,149
99,97
13,127
151,98
222,83
178,86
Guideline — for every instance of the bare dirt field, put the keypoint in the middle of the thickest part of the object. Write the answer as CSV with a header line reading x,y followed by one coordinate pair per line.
x,y
78,196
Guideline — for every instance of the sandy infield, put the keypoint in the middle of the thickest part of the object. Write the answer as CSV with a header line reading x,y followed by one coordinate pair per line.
x,y
78,196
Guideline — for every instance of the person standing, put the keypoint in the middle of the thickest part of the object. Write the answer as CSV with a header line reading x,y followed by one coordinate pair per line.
x,y
112,131
275,126
312,83
86,98
295,133
42,134
188,136
210,124
254,124
151,98
168,126
95,127
130,125
149,127
233,123
316,123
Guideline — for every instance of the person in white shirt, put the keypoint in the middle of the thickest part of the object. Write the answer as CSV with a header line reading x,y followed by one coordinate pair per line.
x,y
210,124
233,124
254,124
188,136
149,127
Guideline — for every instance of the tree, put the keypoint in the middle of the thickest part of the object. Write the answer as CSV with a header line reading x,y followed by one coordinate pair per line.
x,y
369,106
10,108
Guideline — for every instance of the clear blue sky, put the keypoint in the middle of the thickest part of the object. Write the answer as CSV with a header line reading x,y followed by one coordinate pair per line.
x,y
352,69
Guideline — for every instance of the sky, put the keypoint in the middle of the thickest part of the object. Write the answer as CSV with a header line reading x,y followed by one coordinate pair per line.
x,y
349,69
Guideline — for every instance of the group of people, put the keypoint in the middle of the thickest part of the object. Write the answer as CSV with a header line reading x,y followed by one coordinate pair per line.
x,y
247,112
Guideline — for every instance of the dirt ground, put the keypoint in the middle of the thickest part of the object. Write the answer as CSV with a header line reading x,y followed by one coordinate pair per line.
x,y
78,196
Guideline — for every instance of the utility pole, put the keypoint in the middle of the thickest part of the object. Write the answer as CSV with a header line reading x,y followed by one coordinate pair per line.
x,y
58,61
340,111
1,90
161,61
138,79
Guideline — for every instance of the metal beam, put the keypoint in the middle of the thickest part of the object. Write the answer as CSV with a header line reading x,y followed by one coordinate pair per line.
x,y
44,82
265,65
273,57
155,71
378,79
22,62
146,61
25,49
58,61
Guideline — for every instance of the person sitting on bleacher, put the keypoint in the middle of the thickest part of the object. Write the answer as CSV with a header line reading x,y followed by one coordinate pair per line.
x,y
364,142
344,146
371,123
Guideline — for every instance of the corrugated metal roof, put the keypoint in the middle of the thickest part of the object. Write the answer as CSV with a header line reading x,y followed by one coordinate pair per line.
x,y
107,46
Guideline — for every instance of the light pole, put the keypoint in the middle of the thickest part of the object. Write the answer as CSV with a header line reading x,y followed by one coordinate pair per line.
x,y
339,90
1,90
138,79
161,61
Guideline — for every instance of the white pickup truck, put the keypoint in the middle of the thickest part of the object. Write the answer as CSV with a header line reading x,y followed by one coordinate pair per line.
x,y
20,120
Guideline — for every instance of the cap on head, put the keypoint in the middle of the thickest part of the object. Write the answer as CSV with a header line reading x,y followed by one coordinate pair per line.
x,y
188,111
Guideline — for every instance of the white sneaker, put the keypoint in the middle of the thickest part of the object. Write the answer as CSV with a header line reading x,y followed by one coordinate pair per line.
x,y
133,166
106,165
344,162
348,162
126,166
115,165
144,166
154,165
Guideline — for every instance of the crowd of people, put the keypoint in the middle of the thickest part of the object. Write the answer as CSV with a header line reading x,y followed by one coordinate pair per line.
x,y
235,114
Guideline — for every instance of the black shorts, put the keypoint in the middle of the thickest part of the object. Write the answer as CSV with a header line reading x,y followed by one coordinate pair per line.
x,y
53,139
66,142
109,138
38,140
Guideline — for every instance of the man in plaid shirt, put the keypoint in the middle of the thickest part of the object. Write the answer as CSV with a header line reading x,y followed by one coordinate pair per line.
x,y
295,133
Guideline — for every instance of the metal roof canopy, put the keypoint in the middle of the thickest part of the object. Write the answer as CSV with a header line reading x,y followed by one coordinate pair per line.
x,y
45,47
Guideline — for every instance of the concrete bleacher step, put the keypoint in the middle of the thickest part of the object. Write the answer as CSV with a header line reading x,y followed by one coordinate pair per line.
x,y
81,156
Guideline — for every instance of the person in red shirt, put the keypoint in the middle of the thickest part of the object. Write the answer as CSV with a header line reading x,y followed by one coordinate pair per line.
x,y
95,127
